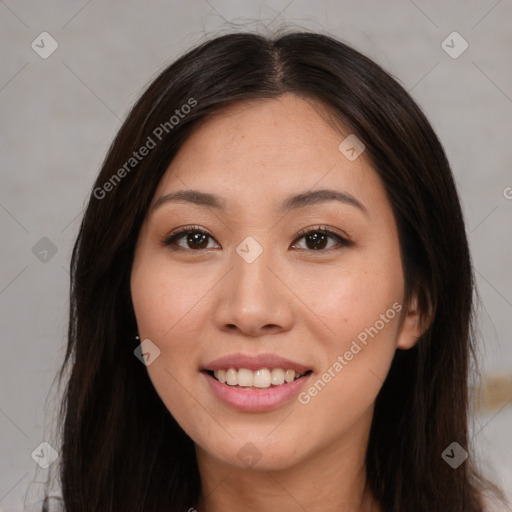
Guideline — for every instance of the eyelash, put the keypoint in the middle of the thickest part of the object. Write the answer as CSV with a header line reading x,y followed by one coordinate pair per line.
x,y
170,240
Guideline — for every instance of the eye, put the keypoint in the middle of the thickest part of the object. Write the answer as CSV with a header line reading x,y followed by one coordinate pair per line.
x,y
317,239
189,237
195,238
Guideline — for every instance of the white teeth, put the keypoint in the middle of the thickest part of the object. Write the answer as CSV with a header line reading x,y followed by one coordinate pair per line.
x,y
231,377
277,376
221,375
244,377
289,376
262,378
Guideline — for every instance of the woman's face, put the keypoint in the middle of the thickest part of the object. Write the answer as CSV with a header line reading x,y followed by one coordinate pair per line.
x,y
291,263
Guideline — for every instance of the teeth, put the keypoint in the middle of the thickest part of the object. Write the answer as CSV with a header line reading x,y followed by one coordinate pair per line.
x,y
245,377
221,375
289,376
231,377
277,376
262,378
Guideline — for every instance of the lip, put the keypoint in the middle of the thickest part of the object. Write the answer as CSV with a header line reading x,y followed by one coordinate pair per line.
x,y
254,399
254,363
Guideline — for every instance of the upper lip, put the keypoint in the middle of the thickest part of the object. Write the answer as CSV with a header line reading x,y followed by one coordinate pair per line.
x,y
255,363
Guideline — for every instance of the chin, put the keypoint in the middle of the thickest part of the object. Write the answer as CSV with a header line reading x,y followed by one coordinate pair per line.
x,y
255,455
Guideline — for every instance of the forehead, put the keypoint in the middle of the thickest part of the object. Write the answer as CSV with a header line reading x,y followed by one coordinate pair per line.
x,y
262,149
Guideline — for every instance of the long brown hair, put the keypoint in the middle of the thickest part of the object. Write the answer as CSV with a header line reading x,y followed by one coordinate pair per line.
x,y
121,448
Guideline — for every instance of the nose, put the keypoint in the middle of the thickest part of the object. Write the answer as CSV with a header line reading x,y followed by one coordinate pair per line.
x,y
254,299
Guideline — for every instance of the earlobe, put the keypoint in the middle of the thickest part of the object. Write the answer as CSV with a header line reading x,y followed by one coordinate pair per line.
x,y
414,324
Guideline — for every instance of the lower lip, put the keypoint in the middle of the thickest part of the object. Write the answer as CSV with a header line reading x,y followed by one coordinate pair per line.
x,y
254,399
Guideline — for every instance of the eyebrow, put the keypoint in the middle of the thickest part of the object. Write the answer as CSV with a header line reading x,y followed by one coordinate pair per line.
x,y
291,203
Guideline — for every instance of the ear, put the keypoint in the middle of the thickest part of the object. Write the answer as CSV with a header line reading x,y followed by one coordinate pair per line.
x,y
415,322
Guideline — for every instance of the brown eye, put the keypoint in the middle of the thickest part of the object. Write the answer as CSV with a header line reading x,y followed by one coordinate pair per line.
x,y
189,239
196,239
318,240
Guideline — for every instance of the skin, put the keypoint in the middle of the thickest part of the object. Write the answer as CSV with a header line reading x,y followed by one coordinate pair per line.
x,y
307,305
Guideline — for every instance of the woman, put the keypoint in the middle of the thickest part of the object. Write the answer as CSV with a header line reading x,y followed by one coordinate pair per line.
x,y
271,296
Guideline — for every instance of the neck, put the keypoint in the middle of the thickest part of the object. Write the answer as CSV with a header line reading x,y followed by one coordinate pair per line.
x,y
334,478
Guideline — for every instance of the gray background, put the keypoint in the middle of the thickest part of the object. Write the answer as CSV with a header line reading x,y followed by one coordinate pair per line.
x,y
60,114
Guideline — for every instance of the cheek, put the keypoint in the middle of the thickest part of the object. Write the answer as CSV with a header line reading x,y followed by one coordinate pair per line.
x,y
350,300
357,358
164,298
167,306
362,307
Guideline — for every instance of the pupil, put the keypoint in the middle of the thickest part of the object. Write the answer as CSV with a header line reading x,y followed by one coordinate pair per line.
x,y
317,239
198,239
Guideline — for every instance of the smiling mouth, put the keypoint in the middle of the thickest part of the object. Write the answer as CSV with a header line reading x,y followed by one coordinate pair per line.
x,y
264,378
